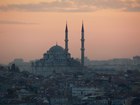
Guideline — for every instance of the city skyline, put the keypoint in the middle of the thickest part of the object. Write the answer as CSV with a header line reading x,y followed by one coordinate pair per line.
x,y
29,28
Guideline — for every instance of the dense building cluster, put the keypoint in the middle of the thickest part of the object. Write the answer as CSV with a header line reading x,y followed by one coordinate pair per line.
x,y
76,88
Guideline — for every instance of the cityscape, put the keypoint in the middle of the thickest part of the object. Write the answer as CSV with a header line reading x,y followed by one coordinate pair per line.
x,y
51,54
59,79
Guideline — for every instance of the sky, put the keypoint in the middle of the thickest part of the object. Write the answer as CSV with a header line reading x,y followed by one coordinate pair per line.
x,y
28,28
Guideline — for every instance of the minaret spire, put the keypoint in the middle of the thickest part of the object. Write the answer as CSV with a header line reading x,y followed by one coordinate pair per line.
x,y
66,38
82,26
82,45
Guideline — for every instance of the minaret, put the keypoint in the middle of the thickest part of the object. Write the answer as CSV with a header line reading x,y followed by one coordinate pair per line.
x,y
66,39
82,45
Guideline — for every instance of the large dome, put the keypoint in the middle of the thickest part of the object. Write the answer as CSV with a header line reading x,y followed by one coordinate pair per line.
x,y
56,49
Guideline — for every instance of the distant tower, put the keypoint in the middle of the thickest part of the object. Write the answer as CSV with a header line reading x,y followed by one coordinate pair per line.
x,y
66,39
82,45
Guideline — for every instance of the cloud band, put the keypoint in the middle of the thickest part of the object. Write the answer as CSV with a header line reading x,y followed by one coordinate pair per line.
x,y
74,6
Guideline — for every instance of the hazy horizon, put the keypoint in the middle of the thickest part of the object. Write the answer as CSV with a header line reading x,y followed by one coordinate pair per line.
x,y
29,28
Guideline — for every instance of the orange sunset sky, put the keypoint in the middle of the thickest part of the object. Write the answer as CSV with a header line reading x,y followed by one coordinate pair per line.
x,y
28,28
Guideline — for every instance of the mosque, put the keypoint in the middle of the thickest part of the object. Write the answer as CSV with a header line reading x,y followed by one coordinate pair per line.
x,y
58,59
